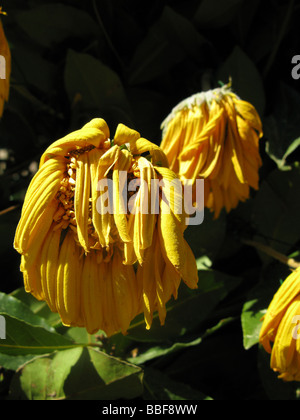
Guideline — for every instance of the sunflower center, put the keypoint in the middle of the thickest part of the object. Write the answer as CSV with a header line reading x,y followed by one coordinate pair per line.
x,y
65,215
65,196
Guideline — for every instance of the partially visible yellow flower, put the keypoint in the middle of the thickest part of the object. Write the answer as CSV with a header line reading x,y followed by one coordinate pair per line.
x,y
5,63
280,327
214,135
97,265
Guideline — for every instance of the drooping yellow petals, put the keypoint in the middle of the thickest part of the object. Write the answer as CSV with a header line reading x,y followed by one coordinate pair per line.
x,y
280,334
93,242
285,357
215,136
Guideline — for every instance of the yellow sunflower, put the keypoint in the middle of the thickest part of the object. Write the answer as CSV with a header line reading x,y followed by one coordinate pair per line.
x,y
214,136
91,259
280,327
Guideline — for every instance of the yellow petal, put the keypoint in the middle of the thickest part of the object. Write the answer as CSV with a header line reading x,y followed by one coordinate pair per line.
x,y
37,217
189,273
147,218
249,114
120,187
123,279
173,141
172,194
52,168
81,199
145,278
32,278
93,134
49,267
92,293
171,281
284,353
125,135
159,267
175,249
130,257
68,282
99,124
142,145
171,238
31,233
107,161
286,293
94,156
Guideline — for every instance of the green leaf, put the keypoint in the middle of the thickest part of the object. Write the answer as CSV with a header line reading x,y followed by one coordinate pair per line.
x,y
276,209
50,24
161,350
148,351
93,84
15,362
11,306
167,43
246,80
217,13
23,338
251,322
258,300
206,239
281,128
292,147
38,307
183,314
44,378
77,374
159,386
34,70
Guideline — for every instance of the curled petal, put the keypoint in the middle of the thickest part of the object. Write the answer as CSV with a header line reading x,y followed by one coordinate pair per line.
x,y
95,133
125,135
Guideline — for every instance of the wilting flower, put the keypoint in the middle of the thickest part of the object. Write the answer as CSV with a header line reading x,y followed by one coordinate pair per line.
x,y
280,328
5,67
214,135
91,259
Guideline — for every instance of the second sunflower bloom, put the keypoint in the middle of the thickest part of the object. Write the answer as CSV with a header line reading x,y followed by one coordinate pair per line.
x,y
214,136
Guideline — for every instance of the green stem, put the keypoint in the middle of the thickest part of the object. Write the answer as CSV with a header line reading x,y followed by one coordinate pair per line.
x,y
273,253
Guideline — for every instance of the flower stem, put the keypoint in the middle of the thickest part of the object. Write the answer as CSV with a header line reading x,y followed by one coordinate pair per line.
x,y
272,253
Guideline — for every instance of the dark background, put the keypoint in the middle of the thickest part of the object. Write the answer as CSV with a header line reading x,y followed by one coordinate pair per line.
x,y
132,62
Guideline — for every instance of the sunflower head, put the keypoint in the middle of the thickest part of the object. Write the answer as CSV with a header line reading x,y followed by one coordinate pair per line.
x,y
279,333
214,135
88,238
